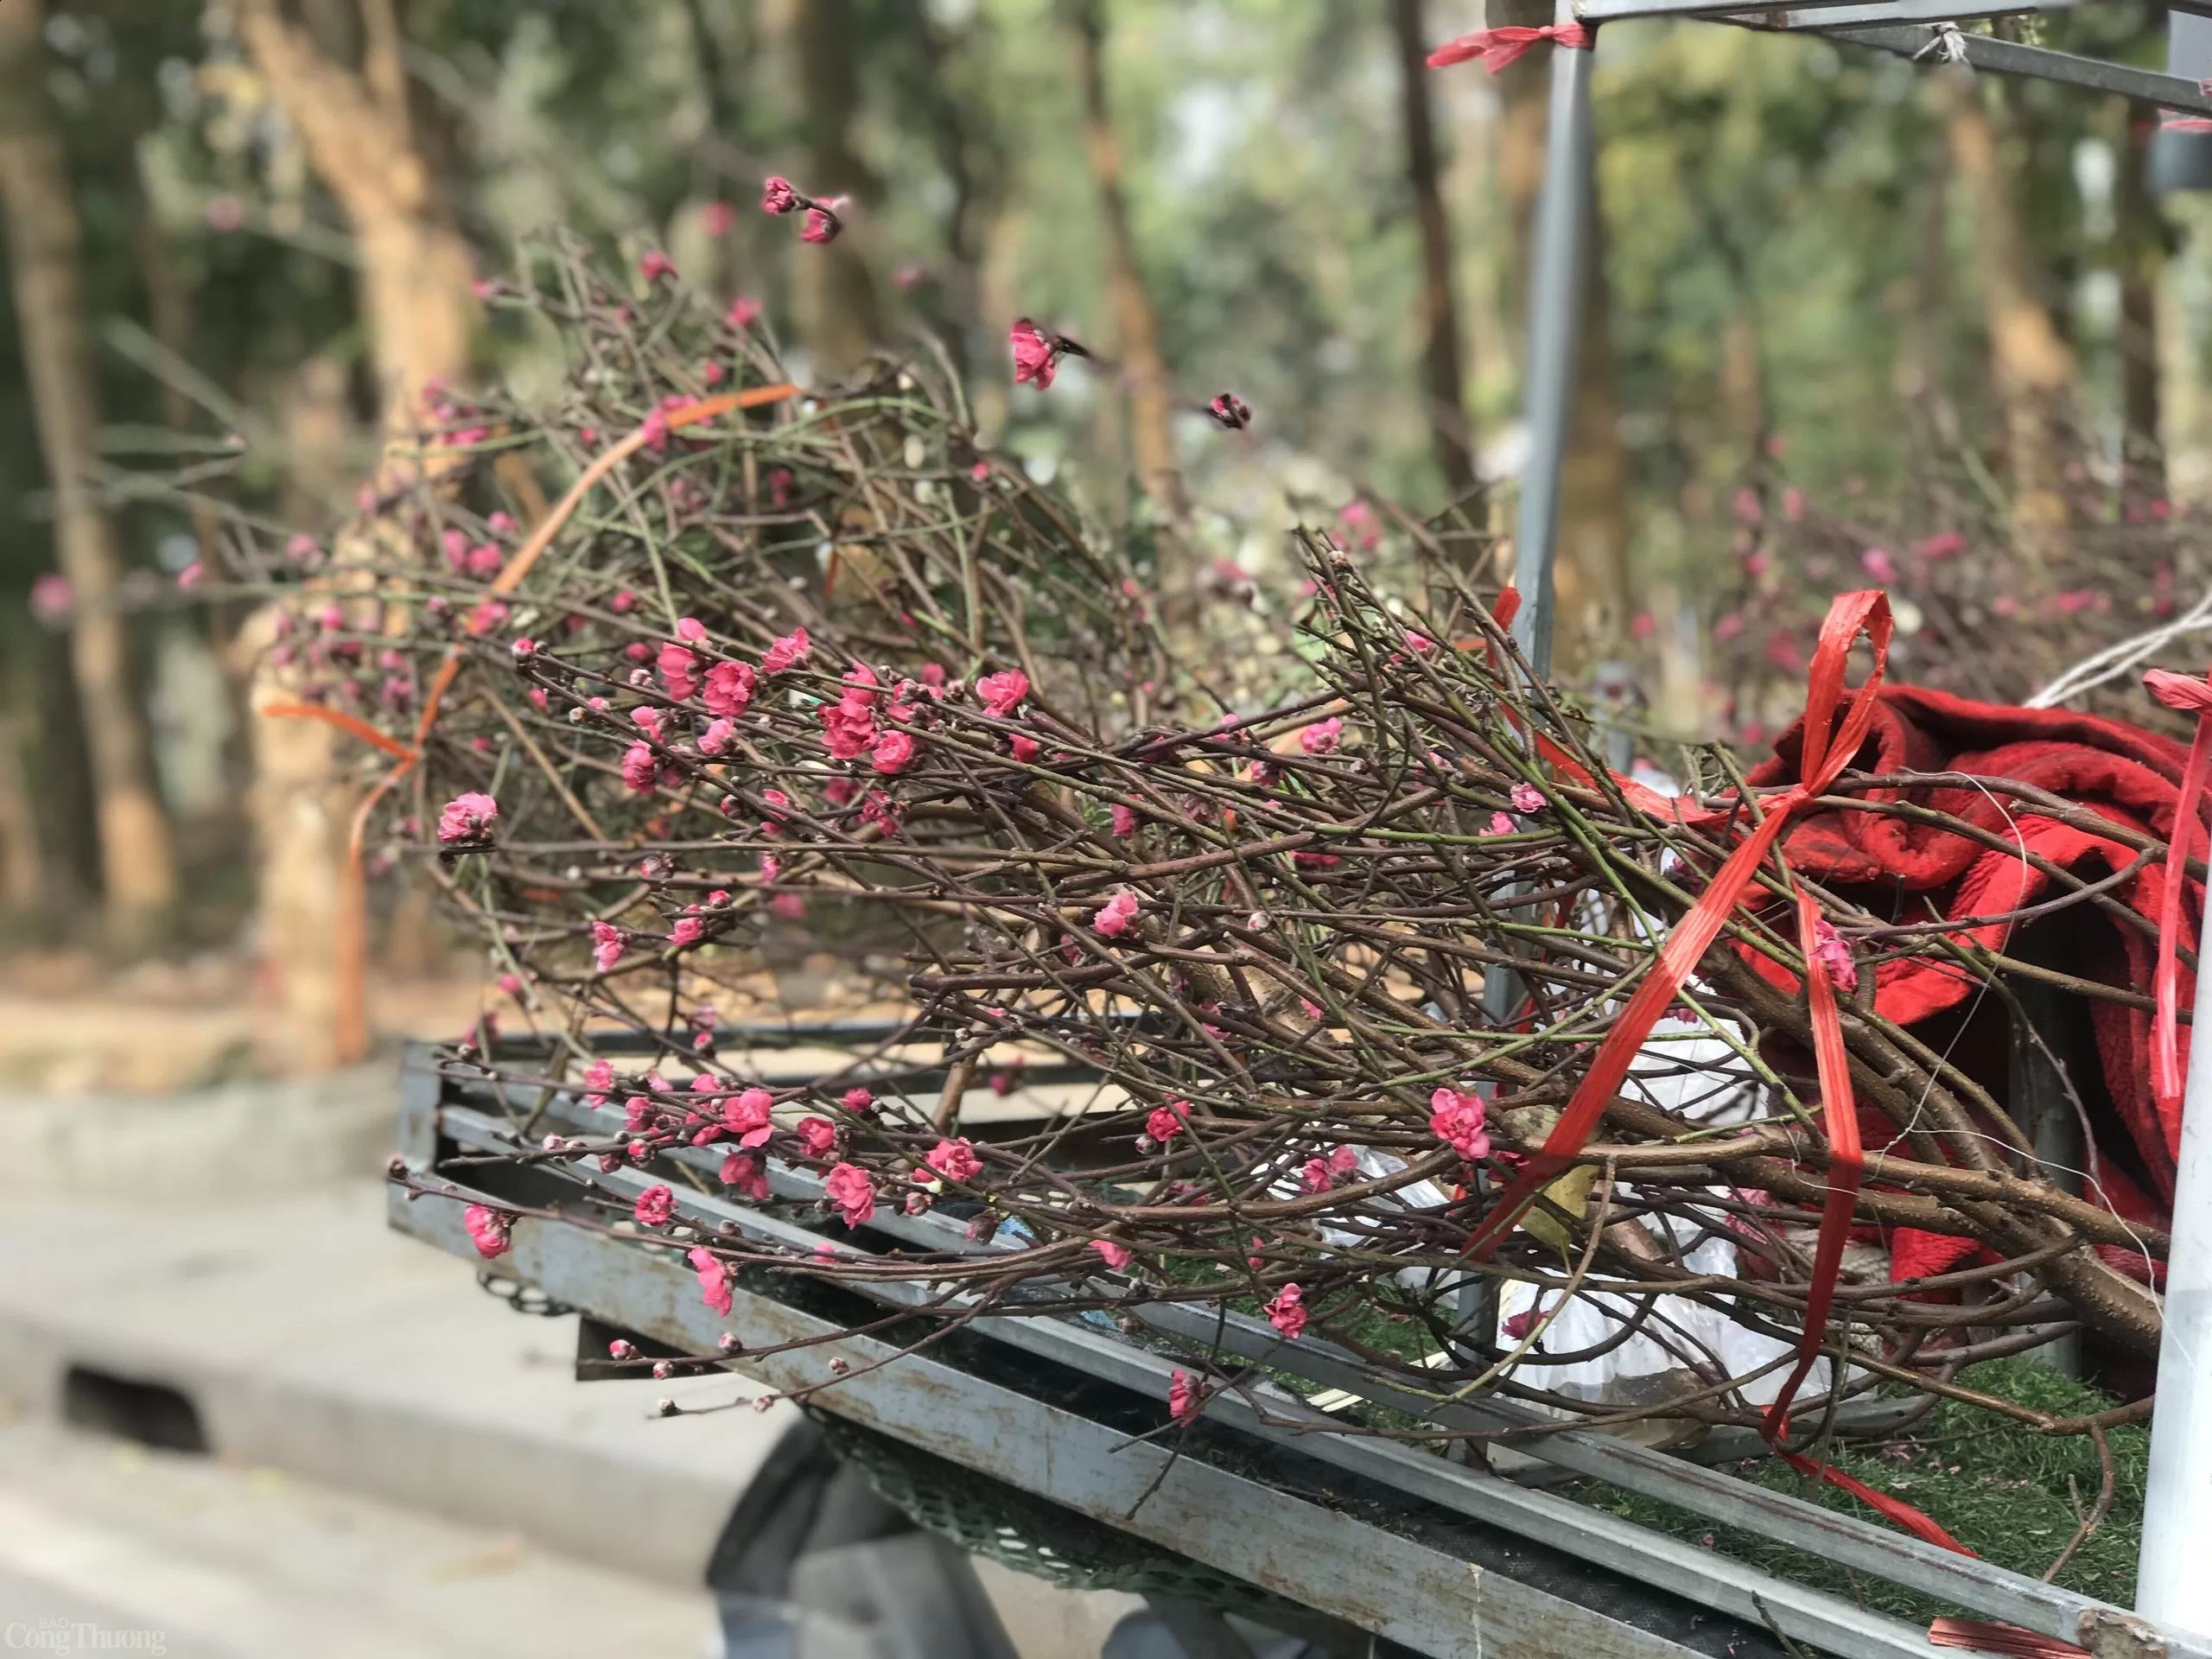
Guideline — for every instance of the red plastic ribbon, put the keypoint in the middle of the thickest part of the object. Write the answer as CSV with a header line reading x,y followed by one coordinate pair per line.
x,y
2189,696
1829,745
1846,1168
1834,733
1499,48
1920,1526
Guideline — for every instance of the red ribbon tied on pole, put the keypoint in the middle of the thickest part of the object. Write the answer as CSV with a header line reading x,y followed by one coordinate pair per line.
x,y
1499,48
2188,695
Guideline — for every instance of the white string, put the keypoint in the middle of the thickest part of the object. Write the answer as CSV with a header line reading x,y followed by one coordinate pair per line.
x,y
1945,45
2117,660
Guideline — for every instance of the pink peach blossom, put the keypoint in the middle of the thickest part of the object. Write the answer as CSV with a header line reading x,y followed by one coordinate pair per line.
x,y
1460,1120
744,1172
848,733
713,1278
1033,356
1832,952
955,1160
745,1114
1182,1396
891,753
1114,916
1001,693
488,1229
468,818
786,653
729,689
679,672
851,1190
1288,1313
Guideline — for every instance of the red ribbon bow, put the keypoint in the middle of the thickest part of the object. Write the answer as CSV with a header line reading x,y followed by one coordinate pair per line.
x,y
1498,48
2188,695
1834,733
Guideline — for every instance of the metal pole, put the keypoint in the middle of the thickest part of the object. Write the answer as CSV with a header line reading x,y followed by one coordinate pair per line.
x,y
1555,277
2173,1586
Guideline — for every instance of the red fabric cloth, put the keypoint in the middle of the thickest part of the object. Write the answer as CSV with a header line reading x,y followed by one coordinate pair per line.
x,y
1919,872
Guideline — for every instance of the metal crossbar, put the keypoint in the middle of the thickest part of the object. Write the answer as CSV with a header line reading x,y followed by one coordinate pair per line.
x,y
1585,1551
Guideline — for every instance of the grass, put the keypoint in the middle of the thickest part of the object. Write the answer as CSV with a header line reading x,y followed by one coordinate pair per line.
x,y
2012,1495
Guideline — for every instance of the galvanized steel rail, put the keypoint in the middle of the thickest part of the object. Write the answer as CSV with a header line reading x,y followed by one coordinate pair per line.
x,y
1451,1549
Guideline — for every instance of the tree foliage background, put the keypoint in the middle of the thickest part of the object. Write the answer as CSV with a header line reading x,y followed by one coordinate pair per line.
x,y
1797,350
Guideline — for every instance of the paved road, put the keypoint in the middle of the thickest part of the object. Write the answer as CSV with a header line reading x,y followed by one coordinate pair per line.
x,y
106,1547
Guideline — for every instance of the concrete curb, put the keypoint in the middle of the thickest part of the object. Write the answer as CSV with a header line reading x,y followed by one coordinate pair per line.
x,y
264,1137
310,1339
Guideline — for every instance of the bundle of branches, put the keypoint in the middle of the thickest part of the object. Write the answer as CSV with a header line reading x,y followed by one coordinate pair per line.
x,y
1339,964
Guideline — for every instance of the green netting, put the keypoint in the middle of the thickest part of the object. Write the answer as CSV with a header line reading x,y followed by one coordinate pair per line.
x,y
1003,1523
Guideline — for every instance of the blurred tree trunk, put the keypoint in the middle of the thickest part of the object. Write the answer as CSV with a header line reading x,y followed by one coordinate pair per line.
x,y
2138,256
417,273
1136,328
1594,585
1447,405
840,314
169,309
44,245
23,862
417,270
998,302
2030,361
1924,371
970,150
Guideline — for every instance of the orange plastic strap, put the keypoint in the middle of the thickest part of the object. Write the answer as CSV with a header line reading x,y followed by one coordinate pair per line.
x,y
349,933
2002,1638
345,723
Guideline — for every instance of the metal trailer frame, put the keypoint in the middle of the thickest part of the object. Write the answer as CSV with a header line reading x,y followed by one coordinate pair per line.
x,y
1440,1557
2173,1586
